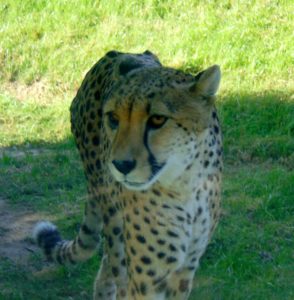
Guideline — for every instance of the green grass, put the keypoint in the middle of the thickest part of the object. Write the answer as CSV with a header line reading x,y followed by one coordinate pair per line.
x,y
45,49
57,40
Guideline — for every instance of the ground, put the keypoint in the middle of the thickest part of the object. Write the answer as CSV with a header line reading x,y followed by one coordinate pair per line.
x,y
14,228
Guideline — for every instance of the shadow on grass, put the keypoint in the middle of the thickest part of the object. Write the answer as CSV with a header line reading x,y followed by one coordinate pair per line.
x,y
48,177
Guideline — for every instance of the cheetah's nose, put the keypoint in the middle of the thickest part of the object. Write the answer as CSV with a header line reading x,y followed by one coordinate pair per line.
x,y
124,166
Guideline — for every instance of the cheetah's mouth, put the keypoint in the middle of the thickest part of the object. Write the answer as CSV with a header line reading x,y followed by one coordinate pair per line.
x,y
139,186
135,185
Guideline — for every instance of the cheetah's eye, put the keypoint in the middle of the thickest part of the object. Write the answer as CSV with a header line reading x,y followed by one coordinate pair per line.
x,y
112,120
156,121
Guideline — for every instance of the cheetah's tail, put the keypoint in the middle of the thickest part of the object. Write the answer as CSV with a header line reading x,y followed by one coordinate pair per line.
x,y
62,251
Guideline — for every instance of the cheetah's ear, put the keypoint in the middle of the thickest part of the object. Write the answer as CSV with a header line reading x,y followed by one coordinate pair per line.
x,y
207,82
129,65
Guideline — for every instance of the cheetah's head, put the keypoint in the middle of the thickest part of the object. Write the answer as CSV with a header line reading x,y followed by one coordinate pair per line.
x,y
153,120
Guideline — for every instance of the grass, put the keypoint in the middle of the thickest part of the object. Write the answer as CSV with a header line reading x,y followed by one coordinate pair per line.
x,y
45,49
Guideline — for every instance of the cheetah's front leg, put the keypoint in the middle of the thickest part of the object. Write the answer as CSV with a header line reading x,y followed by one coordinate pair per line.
x,y
180,285
104,285
111,281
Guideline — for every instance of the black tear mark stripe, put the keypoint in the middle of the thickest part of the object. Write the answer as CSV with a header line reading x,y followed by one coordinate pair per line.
x,y
155,166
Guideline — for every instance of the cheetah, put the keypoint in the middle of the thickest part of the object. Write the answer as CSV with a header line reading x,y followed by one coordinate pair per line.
x,y
151,146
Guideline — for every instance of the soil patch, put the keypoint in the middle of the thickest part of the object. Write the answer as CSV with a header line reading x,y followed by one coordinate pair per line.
x,y
15,232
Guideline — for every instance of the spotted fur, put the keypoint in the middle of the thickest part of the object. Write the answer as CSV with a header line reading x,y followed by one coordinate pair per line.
x,y
150,142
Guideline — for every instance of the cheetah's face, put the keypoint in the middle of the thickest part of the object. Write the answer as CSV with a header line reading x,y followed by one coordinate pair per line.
x,y
153,133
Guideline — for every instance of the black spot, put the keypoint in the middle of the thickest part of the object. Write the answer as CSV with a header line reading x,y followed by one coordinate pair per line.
x,y
189,167
151,248
89,127
105,219
179,208
143,288
147,220
93,154
137,226
171,259
128,219
97,95
154,231
183,248
107,66
153,202
112,211
123,262
161,224
165,206
161,255
151,273
180,218
116,230
123,293
156,192
172,234
88,104
93,85
151,95
161,242
205,185
184,285
172,248
115,271
141,239
138,269
206,163
110,241
95,140
133,251
70,258
162,286
146,260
